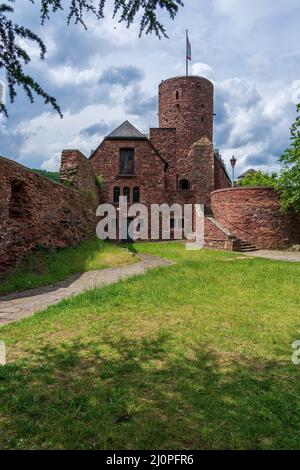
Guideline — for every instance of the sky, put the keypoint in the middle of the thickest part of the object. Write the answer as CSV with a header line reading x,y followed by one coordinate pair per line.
x,y
102,76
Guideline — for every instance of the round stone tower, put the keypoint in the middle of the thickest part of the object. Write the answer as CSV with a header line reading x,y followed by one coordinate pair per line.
x,y
186,103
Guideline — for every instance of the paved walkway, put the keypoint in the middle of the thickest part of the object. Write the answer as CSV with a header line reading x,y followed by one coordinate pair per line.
x,y
19,305
276,254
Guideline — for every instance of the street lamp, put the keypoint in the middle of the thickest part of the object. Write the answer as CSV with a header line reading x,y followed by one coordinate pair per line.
x,y
233,163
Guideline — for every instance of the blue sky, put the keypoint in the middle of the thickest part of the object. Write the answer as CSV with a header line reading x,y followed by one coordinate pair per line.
x,y
250,50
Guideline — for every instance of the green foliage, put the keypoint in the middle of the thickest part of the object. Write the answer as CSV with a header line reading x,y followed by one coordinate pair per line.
x,y
99,181
51,175
289,180
259,179
13,56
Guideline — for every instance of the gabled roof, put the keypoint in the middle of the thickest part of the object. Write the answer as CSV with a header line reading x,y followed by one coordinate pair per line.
x,y
249,172
126,131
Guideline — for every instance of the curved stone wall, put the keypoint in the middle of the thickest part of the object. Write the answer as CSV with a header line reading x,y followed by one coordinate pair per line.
x,y
253,214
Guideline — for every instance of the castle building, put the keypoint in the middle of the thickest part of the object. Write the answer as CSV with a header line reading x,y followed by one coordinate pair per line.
x,y
176,163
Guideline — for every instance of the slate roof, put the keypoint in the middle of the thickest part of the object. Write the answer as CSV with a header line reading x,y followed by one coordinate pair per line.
x,y
251,171
126,131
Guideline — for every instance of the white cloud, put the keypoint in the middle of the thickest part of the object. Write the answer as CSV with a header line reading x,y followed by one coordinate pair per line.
x,y
51,134
296,92
203,70
52,164
67,75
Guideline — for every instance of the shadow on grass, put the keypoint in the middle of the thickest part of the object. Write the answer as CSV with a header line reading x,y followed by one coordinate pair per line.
x,y
140,394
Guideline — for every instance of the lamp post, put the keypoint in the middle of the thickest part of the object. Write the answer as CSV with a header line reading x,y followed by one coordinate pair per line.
x,y
233,163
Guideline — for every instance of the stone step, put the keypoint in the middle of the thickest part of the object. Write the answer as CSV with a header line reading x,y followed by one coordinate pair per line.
x,y
247,246
245,250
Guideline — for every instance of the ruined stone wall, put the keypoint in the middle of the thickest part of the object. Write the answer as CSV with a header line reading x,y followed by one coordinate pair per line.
x,y
200,165
77,171
35,211
253,214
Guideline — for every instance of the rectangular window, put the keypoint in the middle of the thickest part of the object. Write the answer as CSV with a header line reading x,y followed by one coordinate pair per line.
x,y
127,162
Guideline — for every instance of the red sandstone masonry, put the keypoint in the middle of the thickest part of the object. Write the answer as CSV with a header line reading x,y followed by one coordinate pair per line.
x,y
76,169
222,180
186,104
164,140
35,211
253,214
149,170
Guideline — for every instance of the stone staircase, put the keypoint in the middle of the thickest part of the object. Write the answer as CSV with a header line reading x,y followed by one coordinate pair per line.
x,y
238,244
246,246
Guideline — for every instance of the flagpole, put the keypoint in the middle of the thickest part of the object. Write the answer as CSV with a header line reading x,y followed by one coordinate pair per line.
x,y
186,54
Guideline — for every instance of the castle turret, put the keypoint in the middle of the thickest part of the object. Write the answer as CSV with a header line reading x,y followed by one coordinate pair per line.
x,y
186,104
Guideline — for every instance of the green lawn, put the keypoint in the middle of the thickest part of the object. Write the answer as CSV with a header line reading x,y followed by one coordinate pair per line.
x,y
192,356
45,267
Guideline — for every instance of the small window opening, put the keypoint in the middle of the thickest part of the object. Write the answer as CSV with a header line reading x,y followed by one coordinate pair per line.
x,y
136,195
116,194
126,193
184,184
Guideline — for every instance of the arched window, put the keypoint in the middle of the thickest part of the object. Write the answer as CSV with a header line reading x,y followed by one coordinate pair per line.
x,y
177,95
116,194
136,194
126,192
184,184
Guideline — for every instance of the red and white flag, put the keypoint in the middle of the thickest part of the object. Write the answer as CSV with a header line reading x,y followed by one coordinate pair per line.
x,y
188,48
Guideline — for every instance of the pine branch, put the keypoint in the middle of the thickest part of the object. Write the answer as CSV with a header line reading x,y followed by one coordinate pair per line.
x,y
13,57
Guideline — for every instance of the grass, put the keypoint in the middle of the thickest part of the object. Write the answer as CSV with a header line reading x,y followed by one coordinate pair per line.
x,y
192,356
43,267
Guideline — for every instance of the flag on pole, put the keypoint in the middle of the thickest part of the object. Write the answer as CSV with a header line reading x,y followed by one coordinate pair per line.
x,y
188,47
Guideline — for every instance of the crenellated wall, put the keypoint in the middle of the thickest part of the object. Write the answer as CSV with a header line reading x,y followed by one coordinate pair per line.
x,y
253,214
35,211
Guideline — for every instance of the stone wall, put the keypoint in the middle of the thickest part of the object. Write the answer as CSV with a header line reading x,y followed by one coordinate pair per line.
x,y
253,214
149,175
164,140
35,211
216,236
77,171
186,103
200,167
222,179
